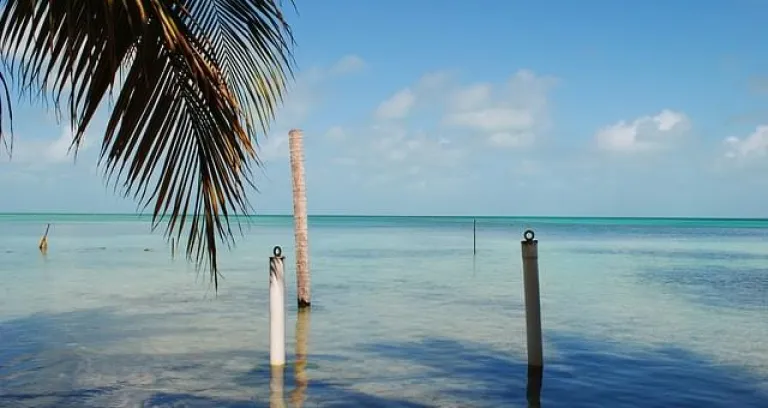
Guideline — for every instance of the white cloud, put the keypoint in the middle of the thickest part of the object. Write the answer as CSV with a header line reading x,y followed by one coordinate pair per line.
x,y
418,148
530,90
435,80
398,106
510,140
510,114
471,97
495,119
435,154
645,133
46,152
347,65
507,115
754,145
396,154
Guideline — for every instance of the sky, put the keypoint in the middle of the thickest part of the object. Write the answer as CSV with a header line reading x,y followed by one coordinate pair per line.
x,y
448,107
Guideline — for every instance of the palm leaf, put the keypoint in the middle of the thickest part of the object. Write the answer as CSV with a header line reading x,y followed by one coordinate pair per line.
x,y
5,105
196,80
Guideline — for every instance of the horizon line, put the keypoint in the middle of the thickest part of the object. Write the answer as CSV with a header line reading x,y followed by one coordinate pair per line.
x,y
2,213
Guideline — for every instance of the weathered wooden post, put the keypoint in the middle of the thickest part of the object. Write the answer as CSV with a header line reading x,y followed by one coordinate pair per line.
x,y
43,245
276,308
474,236
300,218
530,252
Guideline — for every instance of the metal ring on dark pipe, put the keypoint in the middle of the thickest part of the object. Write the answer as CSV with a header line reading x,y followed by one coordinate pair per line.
x,y
277,251
529,235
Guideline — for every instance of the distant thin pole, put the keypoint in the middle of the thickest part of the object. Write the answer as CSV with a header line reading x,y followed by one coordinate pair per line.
x,y
474,236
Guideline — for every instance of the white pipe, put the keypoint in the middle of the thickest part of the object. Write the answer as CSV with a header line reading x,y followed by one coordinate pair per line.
x,y
276,309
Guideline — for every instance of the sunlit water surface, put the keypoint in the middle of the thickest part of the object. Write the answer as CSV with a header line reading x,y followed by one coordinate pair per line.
x,y
636,313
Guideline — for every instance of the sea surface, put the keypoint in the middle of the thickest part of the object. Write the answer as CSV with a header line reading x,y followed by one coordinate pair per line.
x,y
636,313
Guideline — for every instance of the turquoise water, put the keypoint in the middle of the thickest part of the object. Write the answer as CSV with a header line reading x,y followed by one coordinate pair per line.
x,y
636,313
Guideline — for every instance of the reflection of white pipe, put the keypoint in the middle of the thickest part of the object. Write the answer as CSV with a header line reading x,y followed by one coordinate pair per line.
x,y
276,309
276,387
530,252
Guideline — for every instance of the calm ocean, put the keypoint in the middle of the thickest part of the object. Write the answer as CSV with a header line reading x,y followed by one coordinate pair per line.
x,y
636,313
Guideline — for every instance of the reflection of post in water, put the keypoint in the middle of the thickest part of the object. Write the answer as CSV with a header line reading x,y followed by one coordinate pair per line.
x,y
299,394
533,391
276,387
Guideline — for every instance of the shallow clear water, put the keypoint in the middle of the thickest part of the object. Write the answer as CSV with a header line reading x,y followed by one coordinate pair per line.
x,y
636,313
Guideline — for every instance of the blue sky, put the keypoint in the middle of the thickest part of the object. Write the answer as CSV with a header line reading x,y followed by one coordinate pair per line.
x,y
607,108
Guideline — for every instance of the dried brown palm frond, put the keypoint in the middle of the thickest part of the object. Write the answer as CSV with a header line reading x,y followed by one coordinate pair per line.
x,y
195,80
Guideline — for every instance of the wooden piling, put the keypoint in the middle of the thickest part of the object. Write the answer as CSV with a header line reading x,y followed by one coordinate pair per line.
x,y
300,227
474,236
43,245
530,253
276,308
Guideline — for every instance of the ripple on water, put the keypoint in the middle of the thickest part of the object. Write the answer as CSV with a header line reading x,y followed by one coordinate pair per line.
x,y
714,285
680,254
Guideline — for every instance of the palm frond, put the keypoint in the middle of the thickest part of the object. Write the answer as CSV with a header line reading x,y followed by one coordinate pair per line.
x,y
196,78
5,107
246,43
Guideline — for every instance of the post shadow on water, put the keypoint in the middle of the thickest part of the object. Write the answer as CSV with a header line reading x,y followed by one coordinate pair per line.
x,y
586,373
39,369
583,373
